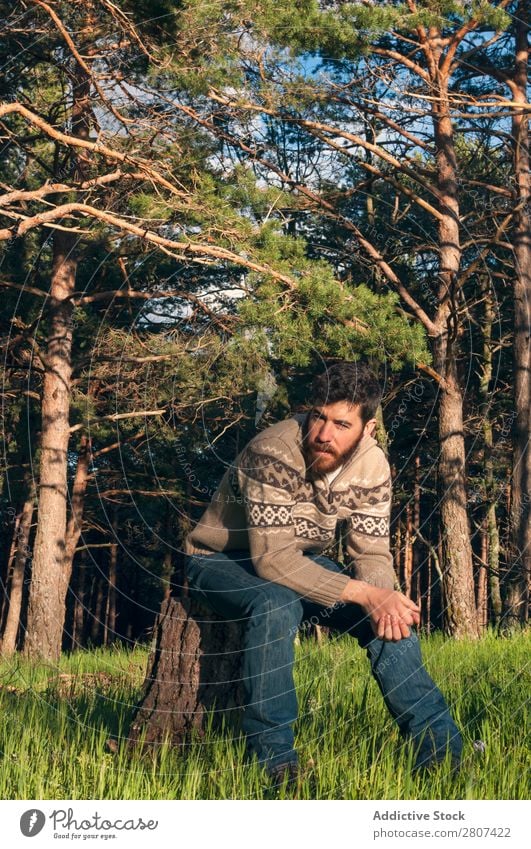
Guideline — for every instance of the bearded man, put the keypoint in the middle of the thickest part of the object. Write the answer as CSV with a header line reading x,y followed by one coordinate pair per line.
x,y
256,555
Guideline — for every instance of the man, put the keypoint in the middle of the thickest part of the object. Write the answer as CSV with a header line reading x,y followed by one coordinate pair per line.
x,y
255,554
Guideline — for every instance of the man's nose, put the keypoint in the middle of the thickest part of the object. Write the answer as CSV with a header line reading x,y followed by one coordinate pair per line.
x,y
326,432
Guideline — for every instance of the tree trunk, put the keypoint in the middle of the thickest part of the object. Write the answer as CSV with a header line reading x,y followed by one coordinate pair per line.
x,y
78,618
109,627
194,667
493,549
77,504
518,576
427,605
416,560
46,610
408,554
5,580
51,564
167,570
458,576
460,610
96,606
482,596
493,538
398,552
16,588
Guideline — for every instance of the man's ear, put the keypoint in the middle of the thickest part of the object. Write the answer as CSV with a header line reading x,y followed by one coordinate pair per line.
x,y
370,428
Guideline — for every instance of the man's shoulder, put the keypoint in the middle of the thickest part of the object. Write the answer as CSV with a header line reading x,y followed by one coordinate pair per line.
x,y
282,440
369,467
274,457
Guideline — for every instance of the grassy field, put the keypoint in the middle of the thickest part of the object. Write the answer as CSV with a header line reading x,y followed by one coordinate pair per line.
x,y
55,723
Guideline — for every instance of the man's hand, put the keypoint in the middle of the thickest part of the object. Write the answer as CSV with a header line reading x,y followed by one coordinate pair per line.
x,y
390,612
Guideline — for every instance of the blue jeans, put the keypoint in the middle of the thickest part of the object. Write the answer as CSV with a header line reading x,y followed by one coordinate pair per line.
x,y
229,586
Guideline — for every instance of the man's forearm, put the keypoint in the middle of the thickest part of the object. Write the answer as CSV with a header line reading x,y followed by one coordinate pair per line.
x,y
356,592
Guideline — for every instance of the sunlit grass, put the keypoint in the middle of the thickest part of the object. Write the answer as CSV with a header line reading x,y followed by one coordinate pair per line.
x,y
56,722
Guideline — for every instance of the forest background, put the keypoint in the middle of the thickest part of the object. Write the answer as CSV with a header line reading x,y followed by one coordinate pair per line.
x,y
203,202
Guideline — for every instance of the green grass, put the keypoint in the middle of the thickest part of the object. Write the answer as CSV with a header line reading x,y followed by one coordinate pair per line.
x,y
56,721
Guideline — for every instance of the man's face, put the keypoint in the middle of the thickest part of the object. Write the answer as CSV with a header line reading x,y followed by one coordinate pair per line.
x,y
333,431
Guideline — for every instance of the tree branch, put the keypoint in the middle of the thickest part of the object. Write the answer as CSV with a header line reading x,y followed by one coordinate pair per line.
x,y
115,417
96,147
188,248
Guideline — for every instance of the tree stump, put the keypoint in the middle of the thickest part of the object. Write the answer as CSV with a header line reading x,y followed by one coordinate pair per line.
x,y
194,669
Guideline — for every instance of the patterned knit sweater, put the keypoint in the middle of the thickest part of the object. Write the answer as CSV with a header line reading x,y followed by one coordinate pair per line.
x,y
267,505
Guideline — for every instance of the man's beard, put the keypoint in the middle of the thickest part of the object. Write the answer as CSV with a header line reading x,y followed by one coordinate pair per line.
x,y
325,461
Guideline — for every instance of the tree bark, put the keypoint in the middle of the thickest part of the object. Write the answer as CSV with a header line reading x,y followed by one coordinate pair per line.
x,y
460,608
408,552
51,564
416,562
96,607
427,605
22,536
78,616
519,573
77,503
6,578
482,596
46,610
398,553
458,576
109,626
493,537
194,667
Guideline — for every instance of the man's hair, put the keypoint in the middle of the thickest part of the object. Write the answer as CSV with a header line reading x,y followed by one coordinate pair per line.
x,y
354,383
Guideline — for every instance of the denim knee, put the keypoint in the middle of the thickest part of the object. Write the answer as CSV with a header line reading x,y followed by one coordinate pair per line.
x,y
281,606
395,659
